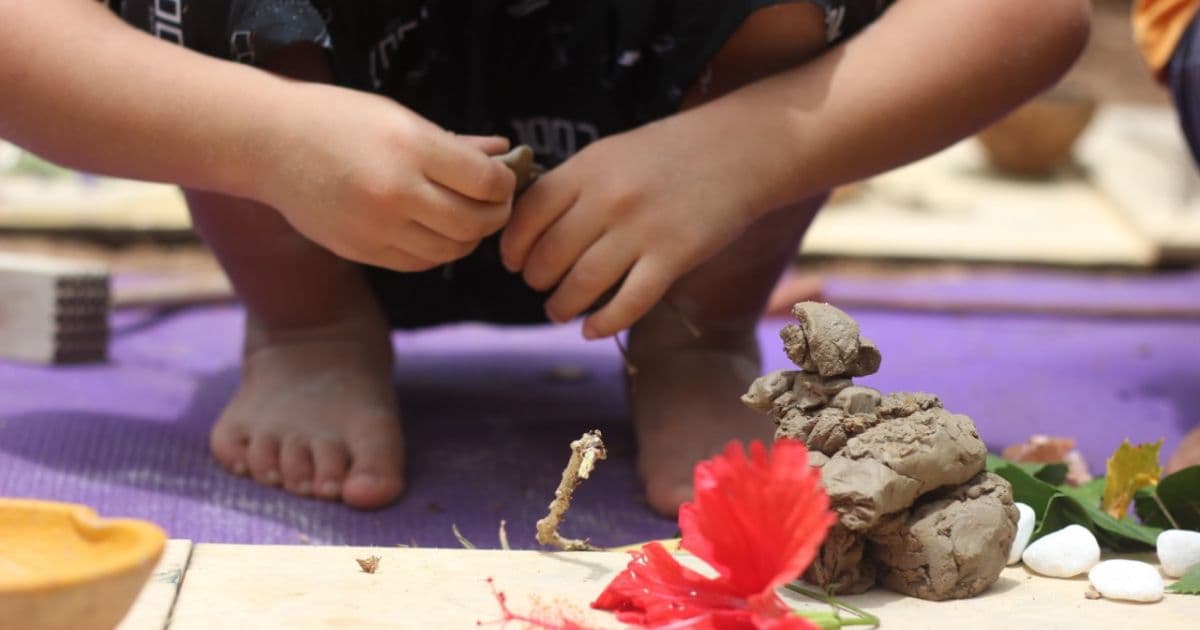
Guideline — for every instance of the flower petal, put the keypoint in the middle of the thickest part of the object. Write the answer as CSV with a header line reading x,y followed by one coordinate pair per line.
x,y
757,520
655,589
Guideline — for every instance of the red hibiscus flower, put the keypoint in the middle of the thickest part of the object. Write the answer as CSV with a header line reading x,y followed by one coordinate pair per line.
x,y
758,521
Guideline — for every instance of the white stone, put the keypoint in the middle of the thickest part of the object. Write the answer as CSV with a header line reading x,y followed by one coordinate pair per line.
x,y
1066,553
1129,580
1024,531
1178,551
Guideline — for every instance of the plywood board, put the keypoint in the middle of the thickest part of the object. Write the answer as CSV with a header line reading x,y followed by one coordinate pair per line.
x,y
322,587
1137,156
152,609
952,206
57,200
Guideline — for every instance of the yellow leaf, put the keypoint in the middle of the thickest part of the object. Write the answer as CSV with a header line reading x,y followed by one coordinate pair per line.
x,y
1130,469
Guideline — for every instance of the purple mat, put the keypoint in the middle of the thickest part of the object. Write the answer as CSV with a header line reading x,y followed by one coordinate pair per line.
x,y
488,426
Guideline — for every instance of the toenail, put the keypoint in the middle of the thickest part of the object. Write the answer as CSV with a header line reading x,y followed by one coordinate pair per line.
x,y
271,477
304,487
329,488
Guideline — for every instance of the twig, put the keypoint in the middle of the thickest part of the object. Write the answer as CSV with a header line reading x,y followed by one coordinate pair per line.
x,y
864,618
504,536
630,368
462,540
683,318
1162,506
585,452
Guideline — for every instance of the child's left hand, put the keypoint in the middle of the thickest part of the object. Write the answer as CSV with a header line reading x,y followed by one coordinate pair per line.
x,y
648,205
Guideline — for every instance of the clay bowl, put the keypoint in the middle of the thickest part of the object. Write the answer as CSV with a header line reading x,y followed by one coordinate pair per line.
x,y
62,566
1038,138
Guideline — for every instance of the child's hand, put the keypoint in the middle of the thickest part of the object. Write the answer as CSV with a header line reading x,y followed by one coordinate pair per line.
x,y
648,205
375,183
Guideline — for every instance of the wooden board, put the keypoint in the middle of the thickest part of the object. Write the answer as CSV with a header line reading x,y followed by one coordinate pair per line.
x,y
152,609
1137,156
296,587
64,201
952,206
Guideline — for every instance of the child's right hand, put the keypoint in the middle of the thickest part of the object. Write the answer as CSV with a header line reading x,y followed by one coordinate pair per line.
x,y
375,183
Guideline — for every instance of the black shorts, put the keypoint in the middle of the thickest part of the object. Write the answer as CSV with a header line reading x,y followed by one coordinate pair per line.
x,y
553,74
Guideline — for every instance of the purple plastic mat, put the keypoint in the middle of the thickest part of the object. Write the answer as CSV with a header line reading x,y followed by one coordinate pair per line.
x,y
488,423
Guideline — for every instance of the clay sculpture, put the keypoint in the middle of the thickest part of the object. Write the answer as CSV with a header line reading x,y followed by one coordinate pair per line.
x,y
916,511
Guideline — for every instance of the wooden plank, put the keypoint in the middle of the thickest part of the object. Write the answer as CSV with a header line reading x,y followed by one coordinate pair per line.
x,y
953,207
59,200
1137,156
152,609
322,587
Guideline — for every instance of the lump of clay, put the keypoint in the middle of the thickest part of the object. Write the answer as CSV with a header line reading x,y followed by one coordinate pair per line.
x,y
1066,553
1128,580
952,545
888,466
1178,551
842,561
826,342
1025,524
902,472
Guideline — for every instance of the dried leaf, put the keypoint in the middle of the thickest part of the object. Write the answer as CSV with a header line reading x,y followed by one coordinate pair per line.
x,y
1129,469
369,565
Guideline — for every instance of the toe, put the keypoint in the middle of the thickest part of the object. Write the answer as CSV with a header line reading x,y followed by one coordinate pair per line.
x,y
329,460
666,496
264,459
296,464
376,476
229,445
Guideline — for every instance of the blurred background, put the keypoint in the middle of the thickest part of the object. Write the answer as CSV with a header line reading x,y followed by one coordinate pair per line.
x,y
1041,277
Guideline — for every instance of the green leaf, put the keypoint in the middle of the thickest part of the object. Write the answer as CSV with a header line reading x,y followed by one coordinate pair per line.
x,y
1089,493
1180,493
1053,474
1189,584
1058,507
1027,489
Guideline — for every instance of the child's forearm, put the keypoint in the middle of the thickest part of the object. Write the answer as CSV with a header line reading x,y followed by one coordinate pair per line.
x,y
85,90
929,73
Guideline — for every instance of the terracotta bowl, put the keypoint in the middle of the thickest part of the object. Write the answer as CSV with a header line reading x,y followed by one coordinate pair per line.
x,y
1037,139
62,566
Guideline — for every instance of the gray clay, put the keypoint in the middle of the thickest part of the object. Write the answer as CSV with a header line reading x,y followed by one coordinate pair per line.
x,y
903,474
952,545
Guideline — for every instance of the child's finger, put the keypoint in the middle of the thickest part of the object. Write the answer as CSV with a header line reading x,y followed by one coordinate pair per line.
x,y
426,244
466,170
491,145
560,246
645,286
536,210
598,270
458,218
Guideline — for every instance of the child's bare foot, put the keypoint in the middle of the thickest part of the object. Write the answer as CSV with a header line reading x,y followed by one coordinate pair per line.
x,y
316,413
686,406
1188,453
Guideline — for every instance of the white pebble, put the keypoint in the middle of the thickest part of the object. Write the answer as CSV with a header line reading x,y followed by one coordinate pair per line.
x,y
1066,553
1178,551
1024,531
1129,580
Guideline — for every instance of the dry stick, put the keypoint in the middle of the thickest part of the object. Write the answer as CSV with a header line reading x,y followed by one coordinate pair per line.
x,y
630,368
504,536
585,452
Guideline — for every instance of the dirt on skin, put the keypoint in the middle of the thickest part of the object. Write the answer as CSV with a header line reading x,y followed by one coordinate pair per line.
x,y
904,475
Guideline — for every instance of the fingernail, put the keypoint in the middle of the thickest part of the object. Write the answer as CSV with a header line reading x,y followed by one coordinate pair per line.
x,y
589,332
329,488
239,469
271,477
304,487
